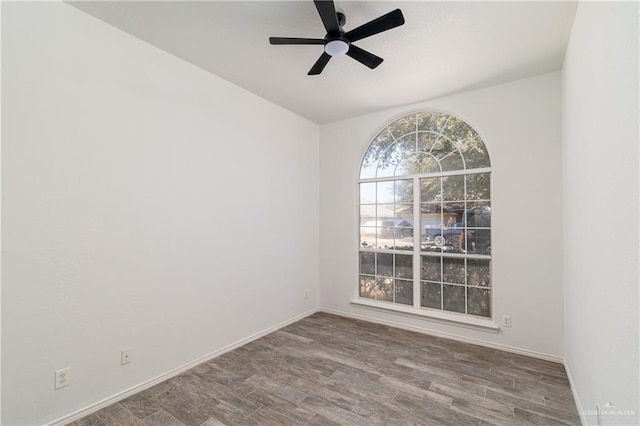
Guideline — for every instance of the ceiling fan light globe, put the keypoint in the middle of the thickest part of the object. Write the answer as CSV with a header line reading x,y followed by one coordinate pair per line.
x,y
336,48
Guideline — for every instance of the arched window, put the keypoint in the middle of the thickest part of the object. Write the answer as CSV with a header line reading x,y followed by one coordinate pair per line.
x,y
425,216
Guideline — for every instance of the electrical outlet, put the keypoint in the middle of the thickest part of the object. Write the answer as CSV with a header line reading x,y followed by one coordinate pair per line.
x,y
306,294
506,320
62,378
125,356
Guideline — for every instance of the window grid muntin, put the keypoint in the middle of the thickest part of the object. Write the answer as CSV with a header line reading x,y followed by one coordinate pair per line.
x,y
442,282
394,276
394,144
392,223
467,138
466,202
441,255
445,283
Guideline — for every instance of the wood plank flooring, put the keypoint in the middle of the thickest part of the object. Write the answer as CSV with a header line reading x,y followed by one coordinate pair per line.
x,y
327,370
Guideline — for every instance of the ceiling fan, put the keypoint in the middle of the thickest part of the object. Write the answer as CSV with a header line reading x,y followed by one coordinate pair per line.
x,y
337,42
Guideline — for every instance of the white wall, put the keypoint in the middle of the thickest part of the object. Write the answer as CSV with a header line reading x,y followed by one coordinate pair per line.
x,y
131,184
520,122
600,197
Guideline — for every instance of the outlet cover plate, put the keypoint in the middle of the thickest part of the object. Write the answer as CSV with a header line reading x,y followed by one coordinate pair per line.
x,y
125,356
63,378
506,320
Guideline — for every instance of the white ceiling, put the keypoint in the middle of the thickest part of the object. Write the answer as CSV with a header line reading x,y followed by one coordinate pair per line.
x,y
444,47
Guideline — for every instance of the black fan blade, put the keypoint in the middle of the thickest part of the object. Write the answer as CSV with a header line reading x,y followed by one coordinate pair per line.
x,y
320,64
295,40
327,12
364,57
385,22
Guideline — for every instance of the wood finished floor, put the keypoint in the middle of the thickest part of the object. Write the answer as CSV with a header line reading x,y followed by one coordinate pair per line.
x,y
326,370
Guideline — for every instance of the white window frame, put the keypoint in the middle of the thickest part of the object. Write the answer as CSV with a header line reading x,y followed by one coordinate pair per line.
x,y
416,310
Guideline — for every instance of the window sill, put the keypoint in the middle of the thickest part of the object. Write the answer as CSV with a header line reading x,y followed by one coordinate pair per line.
x,y
443,317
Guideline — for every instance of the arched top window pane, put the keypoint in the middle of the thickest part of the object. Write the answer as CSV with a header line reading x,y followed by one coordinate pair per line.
x,y
424,143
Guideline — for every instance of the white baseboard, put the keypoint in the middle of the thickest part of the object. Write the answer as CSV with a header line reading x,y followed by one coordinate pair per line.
x,y
581,411
478,342
172,373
